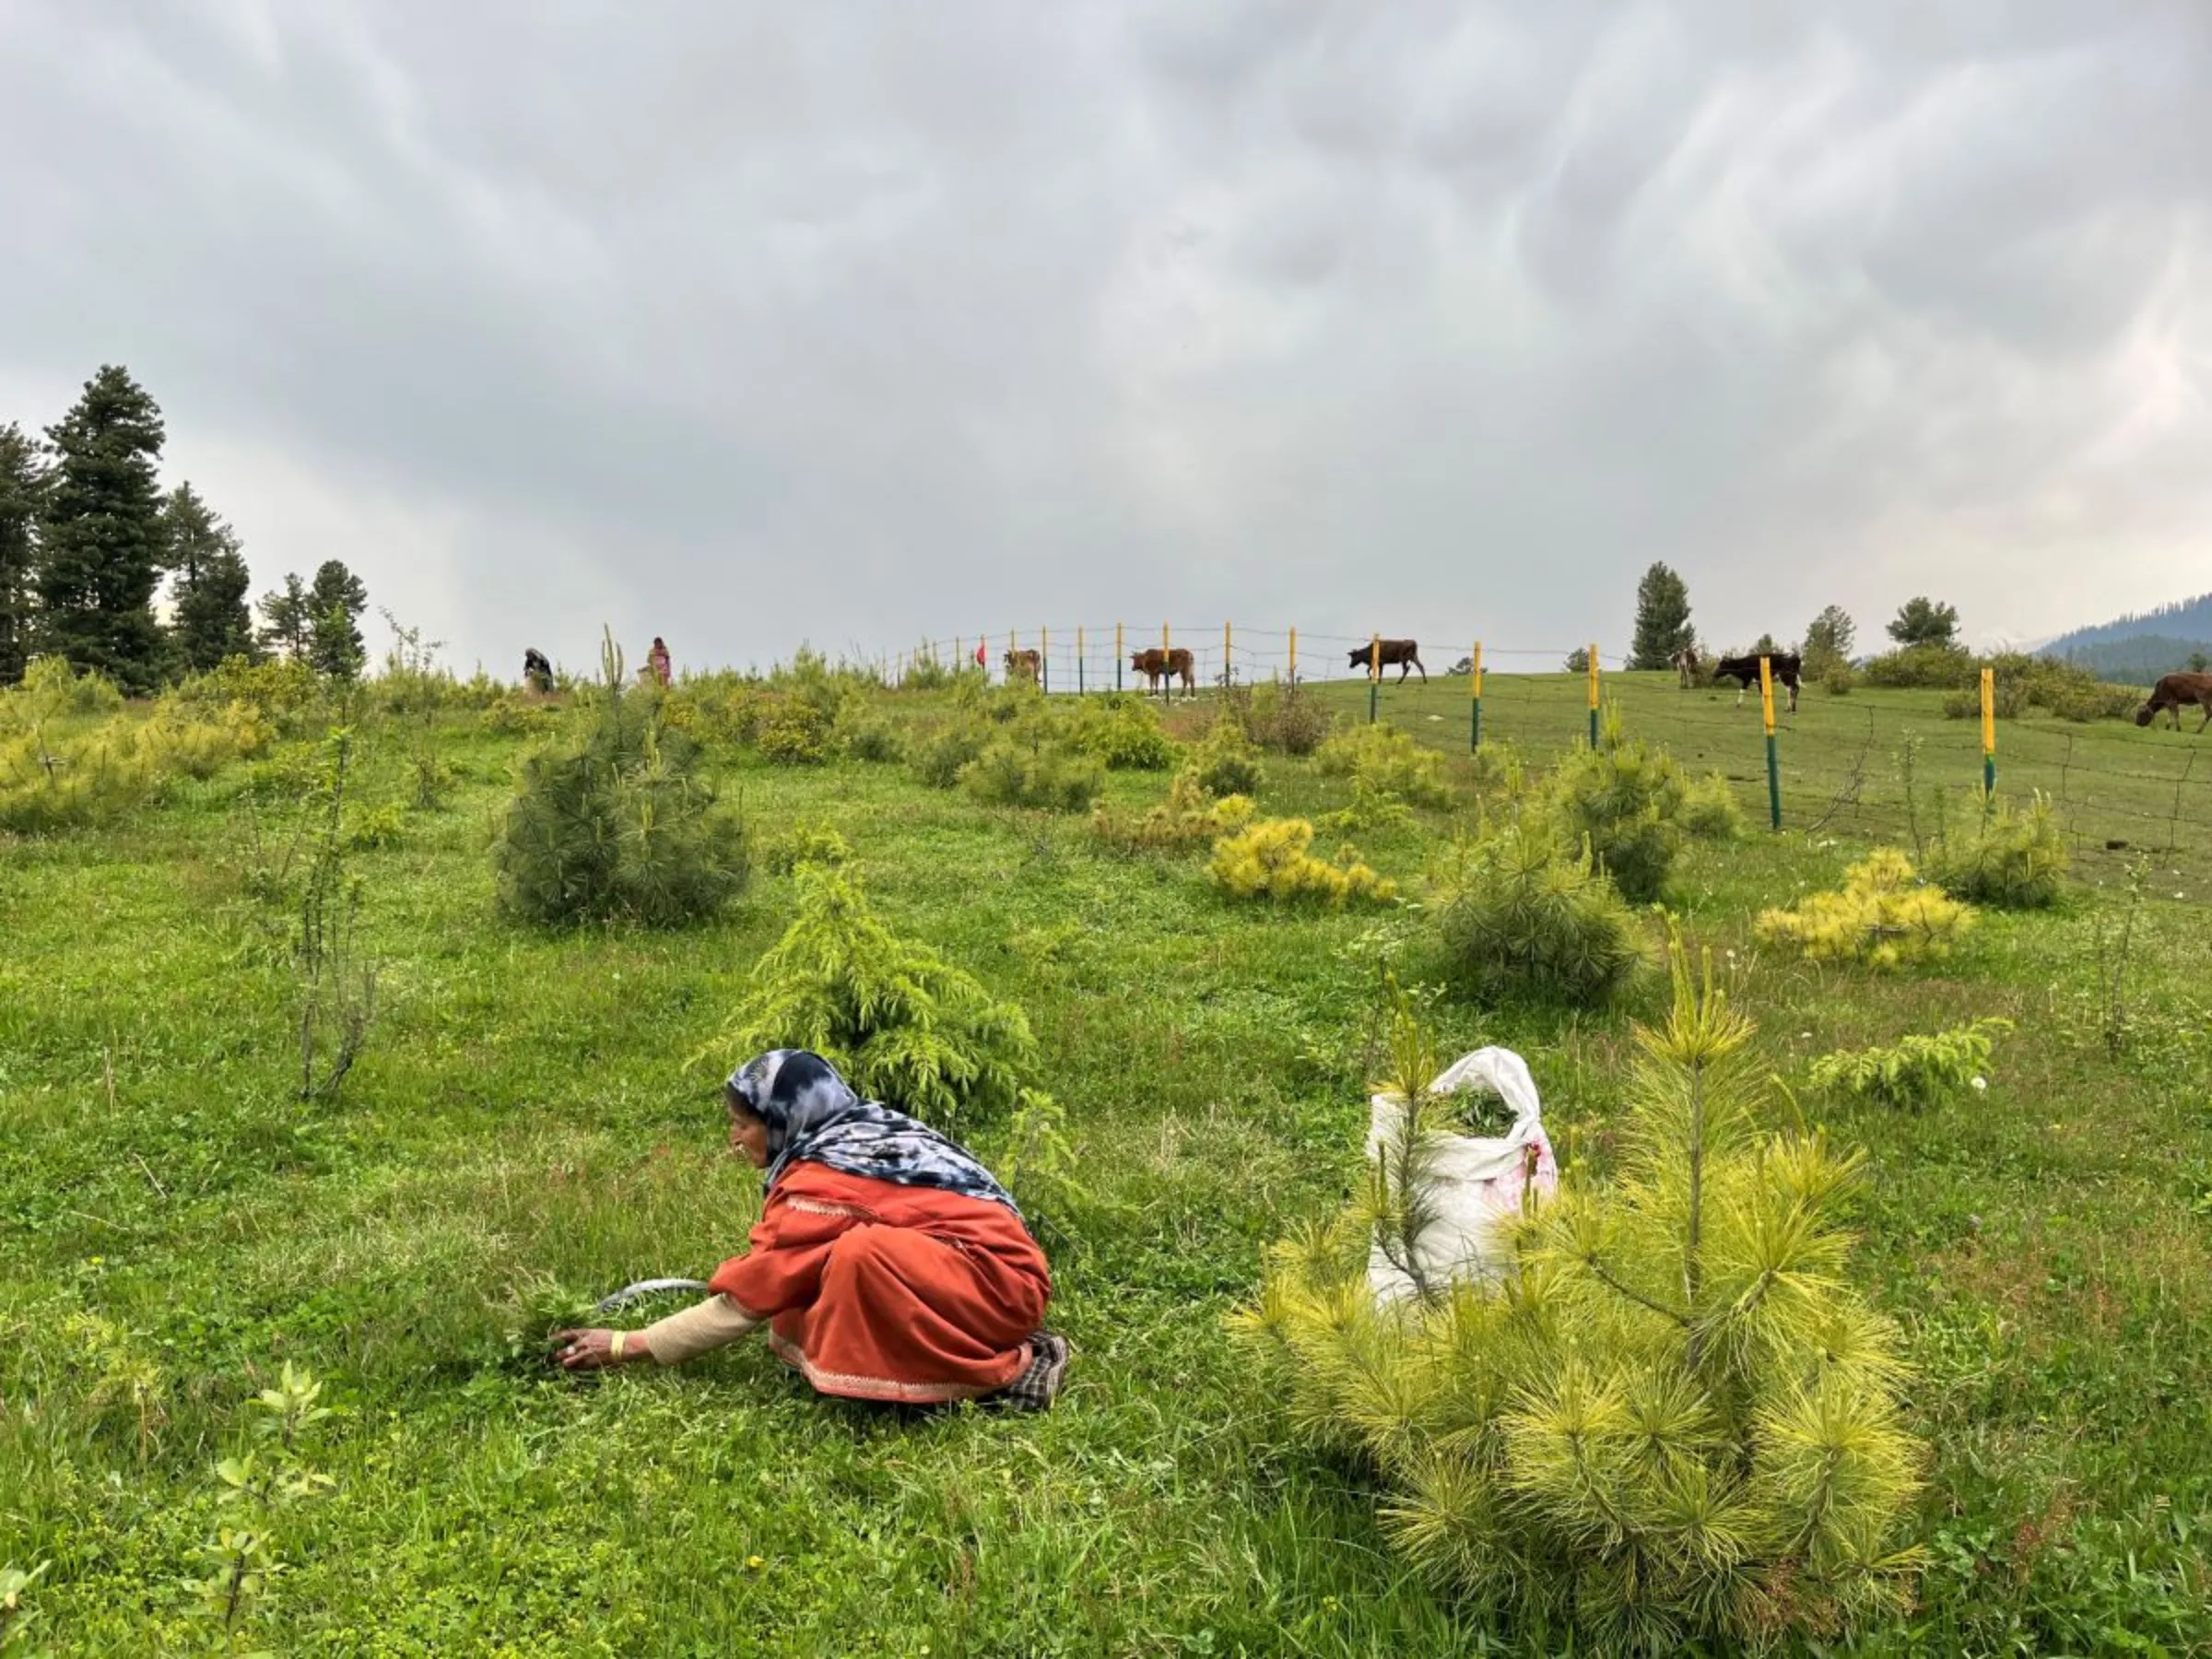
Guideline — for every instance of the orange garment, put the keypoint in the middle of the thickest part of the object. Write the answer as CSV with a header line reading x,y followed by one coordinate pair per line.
x,y
878,1292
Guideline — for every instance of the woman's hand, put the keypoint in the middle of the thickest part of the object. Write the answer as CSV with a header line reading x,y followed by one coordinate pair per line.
x,y
593,1349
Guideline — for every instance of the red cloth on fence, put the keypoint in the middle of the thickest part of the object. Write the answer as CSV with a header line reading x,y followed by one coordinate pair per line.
x,y
878,1292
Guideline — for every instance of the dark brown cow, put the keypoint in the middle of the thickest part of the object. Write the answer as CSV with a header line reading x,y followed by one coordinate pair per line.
x,y
1024,664
1403,655
1157,665
2174,693
1788,668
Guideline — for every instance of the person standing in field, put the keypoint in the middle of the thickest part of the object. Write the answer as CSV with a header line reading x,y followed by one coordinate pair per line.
x,y
886,1264
657,660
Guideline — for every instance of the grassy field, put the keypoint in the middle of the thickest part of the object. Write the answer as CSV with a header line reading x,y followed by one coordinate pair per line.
x,y
176,1225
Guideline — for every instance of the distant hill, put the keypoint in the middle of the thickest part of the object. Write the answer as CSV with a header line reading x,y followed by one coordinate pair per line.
x,y
2137,648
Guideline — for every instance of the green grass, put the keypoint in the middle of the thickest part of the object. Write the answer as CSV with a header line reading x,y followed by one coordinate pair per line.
x,y
175,1226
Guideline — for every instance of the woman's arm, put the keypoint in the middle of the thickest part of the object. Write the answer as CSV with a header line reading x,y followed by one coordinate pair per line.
x,y
699,1329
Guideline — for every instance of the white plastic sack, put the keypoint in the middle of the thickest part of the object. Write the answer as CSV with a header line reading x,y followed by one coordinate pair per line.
x,y
1480,1181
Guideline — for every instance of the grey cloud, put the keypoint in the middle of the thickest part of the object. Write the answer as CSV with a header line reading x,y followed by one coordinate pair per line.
x,y
870,321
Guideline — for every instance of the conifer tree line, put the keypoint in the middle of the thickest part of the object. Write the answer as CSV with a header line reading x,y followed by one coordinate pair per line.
x,y
1664,629
93,552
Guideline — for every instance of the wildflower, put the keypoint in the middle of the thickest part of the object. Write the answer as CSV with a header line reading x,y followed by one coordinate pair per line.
x,y
1980,1084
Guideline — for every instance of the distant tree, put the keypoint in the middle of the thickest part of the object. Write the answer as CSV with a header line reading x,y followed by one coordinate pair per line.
x,y
22,484
286,621
1765,645
2199,663
1663,630
209,619
1829,639
1578,660
1921,621
334,604
100,534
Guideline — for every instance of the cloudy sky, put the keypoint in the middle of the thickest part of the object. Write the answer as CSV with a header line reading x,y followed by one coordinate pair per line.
x,y
860,322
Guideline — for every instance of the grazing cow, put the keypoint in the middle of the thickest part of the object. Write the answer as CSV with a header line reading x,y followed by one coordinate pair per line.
x,y
1789,670
2174,693
1024,664
1686,666
537,673
1405,654
1157,665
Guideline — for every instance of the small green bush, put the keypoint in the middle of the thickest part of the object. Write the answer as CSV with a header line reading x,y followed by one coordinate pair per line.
x,y
859,733
782,854
1839,678
1884,917
1389,762
1922,667
793,730
1915,1073
903,1025
1283,719
2011,860
1121,730
937,760
1186,820
1527,918
1269,860
1226,763
1017,770
1620,800
616,826
1710,810
380,826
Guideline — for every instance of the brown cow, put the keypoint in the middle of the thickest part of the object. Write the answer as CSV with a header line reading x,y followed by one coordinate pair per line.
x,y
1403,654
1024,664
1686,666
2174,693
1157,665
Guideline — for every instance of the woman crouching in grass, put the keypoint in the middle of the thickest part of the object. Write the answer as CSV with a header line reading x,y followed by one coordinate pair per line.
x,y
886,1264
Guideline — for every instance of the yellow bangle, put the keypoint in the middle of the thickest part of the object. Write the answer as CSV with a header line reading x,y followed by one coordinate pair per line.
x,y
614,1344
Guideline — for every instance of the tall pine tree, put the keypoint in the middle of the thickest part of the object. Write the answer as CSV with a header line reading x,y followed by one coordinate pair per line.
x,y
22,484
286,622
100,534
208,618
334,604
1663,630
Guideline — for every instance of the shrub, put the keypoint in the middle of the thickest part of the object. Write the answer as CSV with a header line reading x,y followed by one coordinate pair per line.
x,y
1187,820
1839,678
380,826
803,845
1226,763
61,768
516,714
1620,800
1925,668
1268,860
51,690
903,1025
793,730
2012,860
277,690
937,760
860,734
1121,730
1389,762
1710,810
2024,684
1282,718
1017,770
1528,919
1884,917
1918,1072
616,826
1676,1423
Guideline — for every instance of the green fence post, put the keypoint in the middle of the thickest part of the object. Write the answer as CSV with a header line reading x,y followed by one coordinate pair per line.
x,y
1766,698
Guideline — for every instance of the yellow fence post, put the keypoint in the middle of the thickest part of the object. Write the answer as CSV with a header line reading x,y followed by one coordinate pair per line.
x,y
1766,700
1374,677
1294,656
1475,688
1593,694
1120,656
1044,658
1228,669
1078,662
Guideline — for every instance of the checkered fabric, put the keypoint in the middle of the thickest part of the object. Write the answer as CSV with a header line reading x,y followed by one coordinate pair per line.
x,y
1037,1387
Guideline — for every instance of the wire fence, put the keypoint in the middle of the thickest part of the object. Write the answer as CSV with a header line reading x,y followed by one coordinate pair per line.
x,y
1879,766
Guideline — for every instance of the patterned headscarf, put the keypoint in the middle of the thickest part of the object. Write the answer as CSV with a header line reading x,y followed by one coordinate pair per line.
x,y
813,1116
